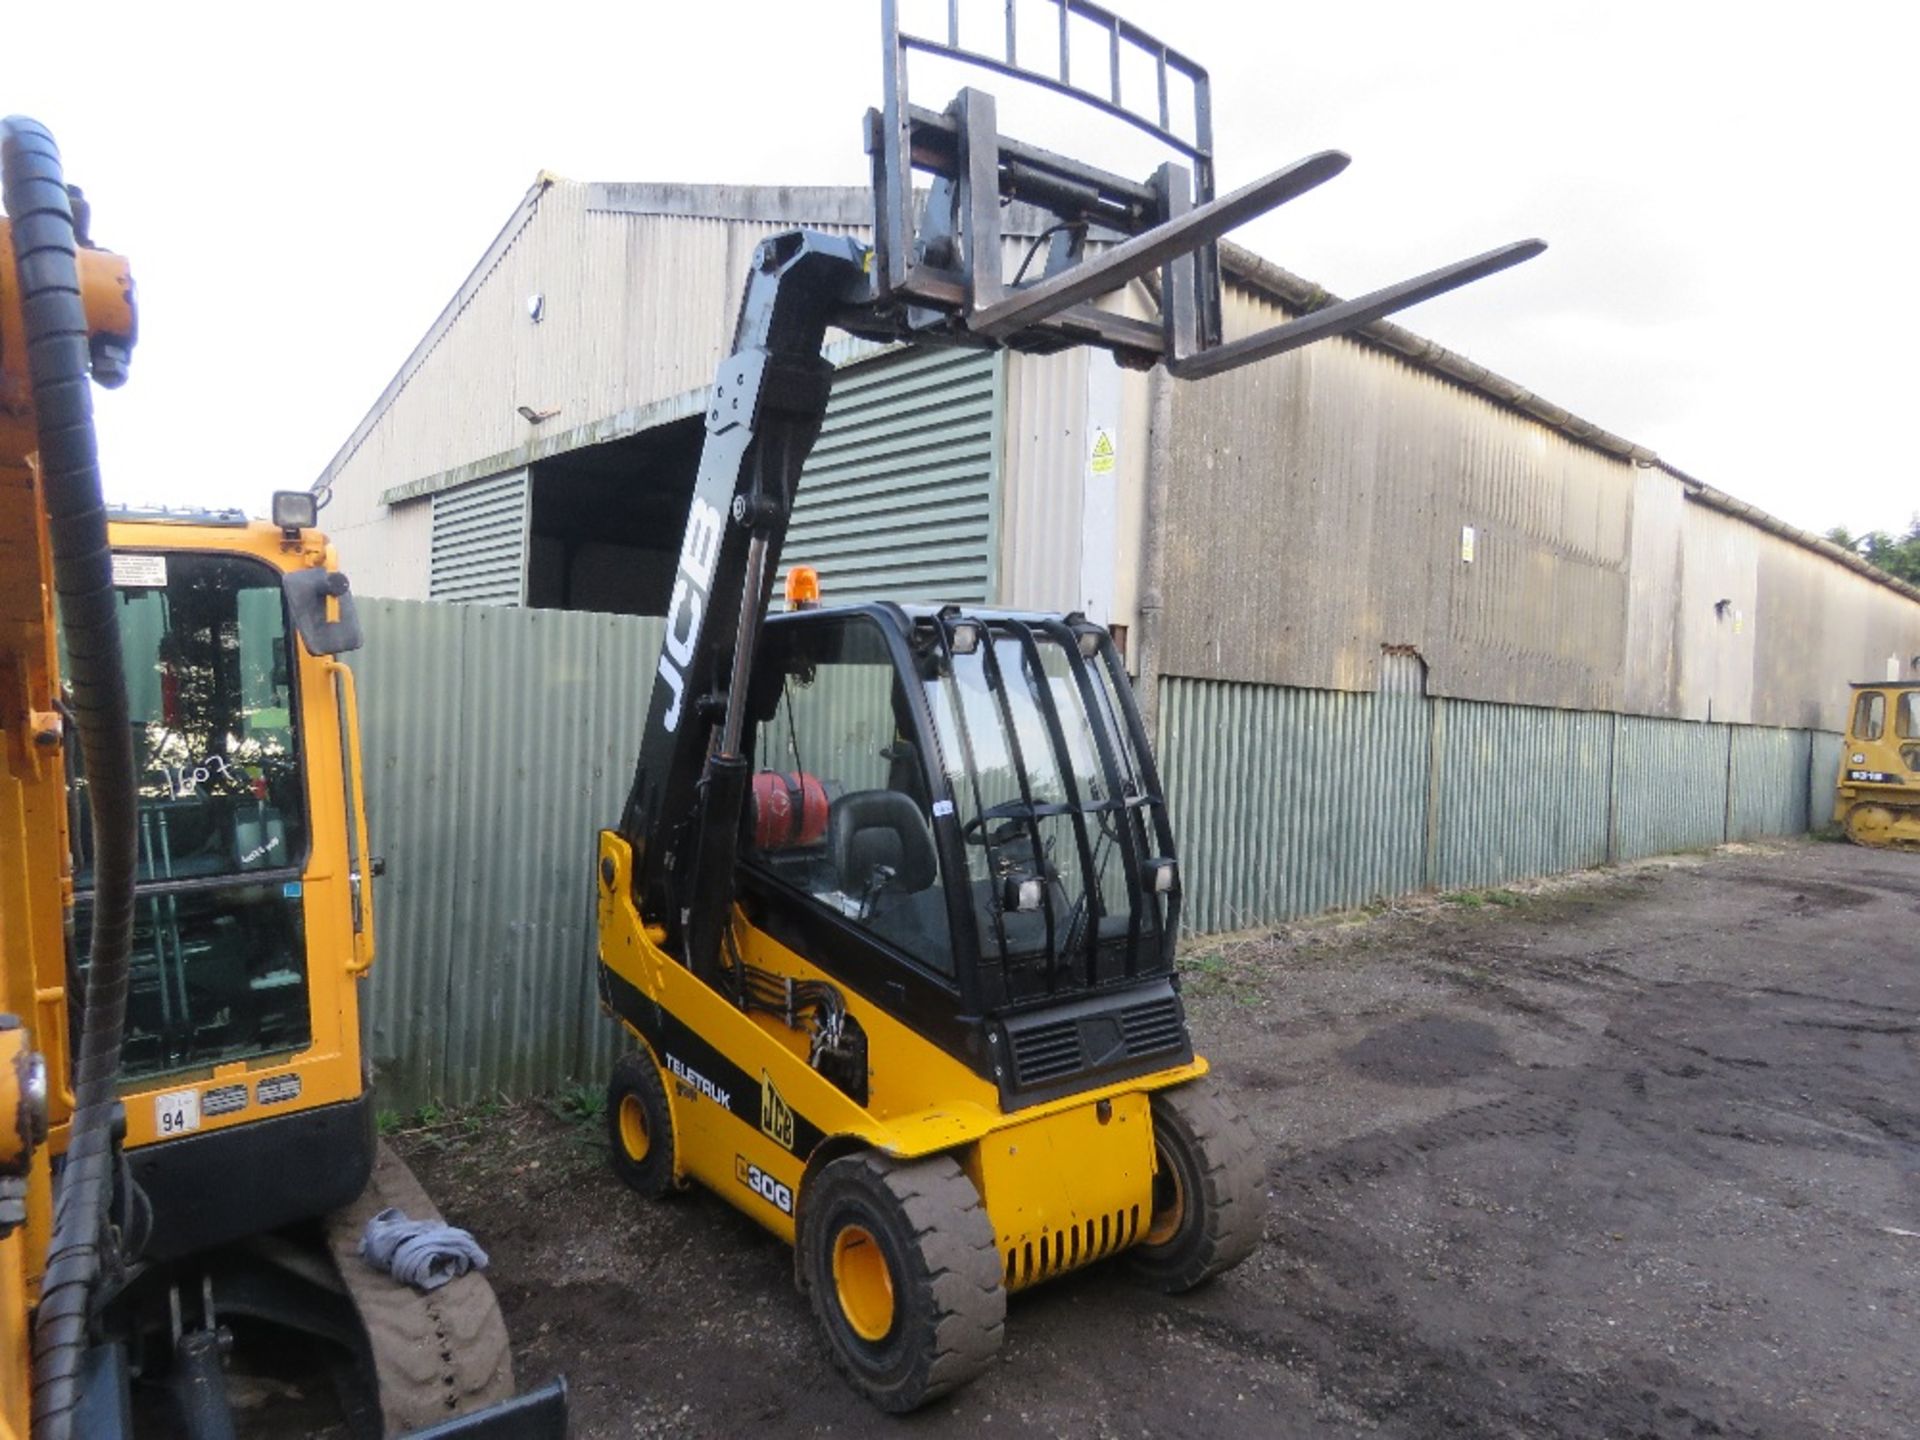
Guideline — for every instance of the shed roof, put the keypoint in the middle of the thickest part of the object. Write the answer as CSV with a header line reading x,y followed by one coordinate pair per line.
x,y
839,206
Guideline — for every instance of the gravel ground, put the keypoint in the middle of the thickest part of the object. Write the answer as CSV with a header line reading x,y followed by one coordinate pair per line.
x,y
1632,1154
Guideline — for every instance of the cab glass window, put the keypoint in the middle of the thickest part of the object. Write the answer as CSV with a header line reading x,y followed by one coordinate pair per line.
x,y
219,945
840,807
1906,720
1870,716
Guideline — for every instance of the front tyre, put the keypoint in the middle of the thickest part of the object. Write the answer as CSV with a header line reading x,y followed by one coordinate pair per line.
x,y
1207,1211
900,1262
640,1126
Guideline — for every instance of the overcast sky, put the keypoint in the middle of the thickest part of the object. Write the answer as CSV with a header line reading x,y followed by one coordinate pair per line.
x,y
1727,191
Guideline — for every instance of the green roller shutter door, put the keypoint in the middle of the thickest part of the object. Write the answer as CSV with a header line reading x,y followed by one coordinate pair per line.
x,y
897,499
480,541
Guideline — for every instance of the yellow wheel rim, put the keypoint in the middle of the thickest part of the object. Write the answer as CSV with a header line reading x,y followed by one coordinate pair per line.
x,y
1169,1200
634,1138
863,1282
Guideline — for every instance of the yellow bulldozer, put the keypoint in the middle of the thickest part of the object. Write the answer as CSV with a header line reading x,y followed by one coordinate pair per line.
x,y
1877,794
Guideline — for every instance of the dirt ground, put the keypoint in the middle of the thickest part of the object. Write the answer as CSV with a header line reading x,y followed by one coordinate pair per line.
x,y
1632,1155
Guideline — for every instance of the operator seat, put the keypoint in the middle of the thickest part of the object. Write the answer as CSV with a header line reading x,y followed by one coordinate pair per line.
x,y
871,828
881,846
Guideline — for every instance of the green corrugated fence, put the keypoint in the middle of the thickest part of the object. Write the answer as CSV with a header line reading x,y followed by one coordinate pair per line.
x,y
498,741
1288,801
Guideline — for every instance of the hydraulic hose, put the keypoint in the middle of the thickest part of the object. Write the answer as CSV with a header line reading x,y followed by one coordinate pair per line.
x,y
46,259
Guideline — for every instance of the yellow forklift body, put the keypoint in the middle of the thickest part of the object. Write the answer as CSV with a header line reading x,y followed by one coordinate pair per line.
x,y
1065,1182
1877,792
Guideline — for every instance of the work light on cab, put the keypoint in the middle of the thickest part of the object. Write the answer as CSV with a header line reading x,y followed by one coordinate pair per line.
x,y
295,510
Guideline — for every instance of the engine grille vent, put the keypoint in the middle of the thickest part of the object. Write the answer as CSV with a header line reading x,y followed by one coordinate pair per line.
x,y
1047,1052
1051,1048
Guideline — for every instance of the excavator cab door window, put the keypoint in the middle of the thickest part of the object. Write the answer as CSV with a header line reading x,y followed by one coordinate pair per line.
x,y
219,957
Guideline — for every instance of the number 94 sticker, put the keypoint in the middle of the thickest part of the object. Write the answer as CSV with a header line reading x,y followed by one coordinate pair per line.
x,y
176,1112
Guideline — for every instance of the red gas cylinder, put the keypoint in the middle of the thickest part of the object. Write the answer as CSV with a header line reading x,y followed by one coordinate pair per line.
x,y
789,809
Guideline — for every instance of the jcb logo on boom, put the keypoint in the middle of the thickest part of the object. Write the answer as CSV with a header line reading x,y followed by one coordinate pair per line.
x,y
699,552
764,1185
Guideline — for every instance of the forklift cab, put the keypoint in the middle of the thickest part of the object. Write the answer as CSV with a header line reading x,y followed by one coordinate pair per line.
x,y
956,812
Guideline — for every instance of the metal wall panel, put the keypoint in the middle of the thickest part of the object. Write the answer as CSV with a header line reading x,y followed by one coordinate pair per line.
x,y
1316,508
497,742
1769,780
1670,786
897,498
1289,801
1046,450
479,549
1520,791
1823,776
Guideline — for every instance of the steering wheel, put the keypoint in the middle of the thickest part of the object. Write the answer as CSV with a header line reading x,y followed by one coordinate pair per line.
x,y
975,831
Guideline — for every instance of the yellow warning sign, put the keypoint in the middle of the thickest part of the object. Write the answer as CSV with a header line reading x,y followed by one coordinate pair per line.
x,y
1102,460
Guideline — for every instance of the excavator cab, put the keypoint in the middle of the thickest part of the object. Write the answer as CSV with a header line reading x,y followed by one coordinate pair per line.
x,y
988,849
1877,798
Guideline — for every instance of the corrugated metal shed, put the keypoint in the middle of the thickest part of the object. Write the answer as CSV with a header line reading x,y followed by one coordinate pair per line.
x,y
897,498
1330,502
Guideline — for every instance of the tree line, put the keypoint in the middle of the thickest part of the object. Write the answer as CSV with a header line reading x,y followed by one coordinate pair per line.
x,y
1898,555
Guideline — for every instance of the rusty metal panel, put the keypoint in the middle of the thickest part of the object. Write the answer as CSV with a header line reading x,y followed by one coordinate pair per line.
x,y
1318,510
1519,791
497,742
1670,786
1289,801
1768,776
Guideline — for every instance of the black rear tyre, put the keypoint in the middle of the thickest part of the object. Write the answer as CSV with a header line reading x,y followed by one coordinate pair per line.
x,y
1207,1191
640,1126
901,1265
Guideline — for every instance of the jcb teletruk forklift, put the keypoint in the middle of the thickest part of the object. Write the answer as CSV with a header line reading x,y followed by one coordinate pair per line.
x,y
892,905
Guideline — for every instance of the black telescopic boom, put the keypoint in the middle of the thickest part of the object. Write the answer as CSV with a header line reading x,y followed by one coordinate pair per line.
x,y
683,813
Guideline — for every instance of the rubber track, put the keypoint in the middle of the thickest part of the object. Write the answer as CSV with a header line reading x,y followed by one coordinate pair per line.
x,y
435,1355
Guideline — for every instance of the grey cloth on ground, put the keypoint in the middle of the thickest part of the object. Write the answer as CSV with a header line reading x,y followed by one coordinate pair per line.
x,y
425,1254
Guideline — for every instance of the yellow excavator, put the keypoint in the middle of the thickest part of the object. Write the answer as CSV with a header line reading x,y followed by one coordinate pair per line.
x,y
891,910
1877,794
187,891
